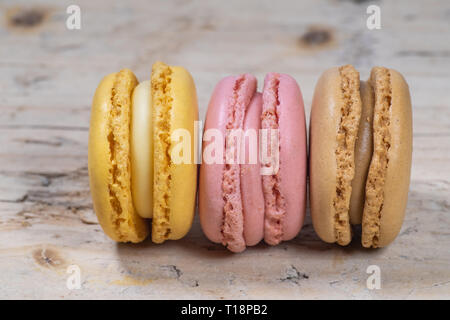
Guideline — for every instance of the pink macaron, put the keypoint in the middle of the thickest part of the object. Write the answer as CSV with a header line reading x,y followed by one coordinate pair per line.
x,y
253,188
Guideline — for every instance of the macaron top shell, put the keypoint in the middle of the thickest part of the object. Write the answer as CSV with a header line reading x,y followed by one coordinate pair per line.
x,y
175,110
284,92
394,131
109,160
398,173
183,168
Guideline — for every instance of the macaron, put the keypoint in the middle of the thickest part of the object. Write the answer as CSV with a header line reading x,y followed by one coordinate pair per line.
x,y
360,155
141,154
262,195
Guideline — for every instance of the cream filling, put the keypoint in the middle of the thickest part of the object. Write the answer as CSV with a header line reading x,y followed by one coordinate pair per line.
x,y
363,153
141,141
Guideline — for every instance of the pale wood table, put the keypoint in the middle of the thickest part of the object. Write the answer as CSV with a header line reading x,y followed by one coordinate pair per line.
x,y
48,77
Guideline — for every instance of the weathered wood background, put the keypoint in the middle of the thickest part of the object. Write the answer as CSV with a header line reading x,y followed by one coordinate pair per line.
x,y
48,75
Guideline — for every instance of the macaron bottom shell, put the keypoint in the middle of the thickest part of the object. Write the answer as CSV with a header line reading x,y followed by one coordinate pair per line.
x,y
108,159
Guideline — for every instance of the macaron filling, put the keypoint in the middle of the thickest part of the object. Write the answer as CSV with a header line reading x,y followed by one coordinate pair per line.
x,y
233,219
350,112
274,201
251,178
380,81
162,104
363,153
141,150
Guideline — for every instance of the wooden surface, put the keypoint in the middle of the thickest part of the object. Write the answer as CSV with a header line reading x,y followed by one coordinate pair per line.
x,y
48,77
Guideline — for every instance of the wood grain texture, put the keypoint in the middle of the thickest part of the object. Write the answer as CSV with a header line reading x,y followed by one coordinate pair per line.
x,y
48,78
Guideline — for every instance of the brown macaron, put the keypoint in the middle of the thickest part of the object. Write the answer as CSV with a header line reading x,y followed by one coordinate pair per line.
x,y
360,155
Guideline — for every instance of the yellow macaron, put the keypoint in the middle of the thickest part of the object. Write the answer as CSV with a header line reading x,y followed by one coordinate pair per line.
x,y
141,154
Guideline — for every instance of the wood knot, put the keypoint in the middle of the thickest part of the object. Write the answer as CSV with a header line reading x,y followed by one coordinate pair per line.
x,y
48,258
316,37
26,18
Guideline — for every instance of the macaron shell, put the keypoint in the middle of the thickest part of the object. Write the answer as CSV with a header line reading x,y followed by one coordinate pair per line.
x,y
251,182
398,171
115,214
233,219
221,222
274,200
210,199
184,113
161,81
98,158
324,123
376,177
293,164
